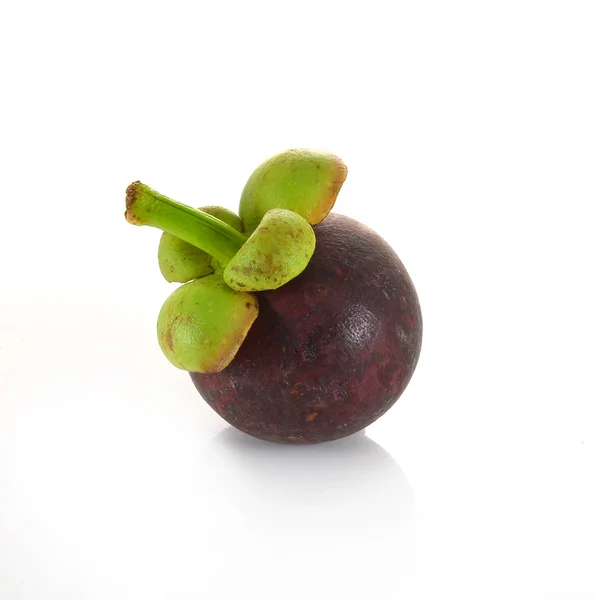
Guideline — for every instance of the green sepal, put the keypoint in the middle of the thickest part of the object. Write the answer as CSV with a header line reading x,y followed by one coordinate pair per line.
x,y
302,180
203,323
279,250
180,261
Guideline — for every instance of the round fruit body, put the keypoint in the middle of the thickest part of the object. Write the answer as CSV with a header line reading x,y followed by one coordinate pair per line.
x,y
331,351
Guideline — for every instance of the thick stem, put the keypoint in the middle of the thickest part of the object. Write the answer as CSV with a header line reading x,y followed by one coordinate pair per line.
x,y
145,206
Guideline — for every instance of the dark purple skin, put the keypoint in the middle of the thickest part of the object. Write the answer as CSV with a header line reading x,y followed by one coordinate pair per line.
x,y
331,351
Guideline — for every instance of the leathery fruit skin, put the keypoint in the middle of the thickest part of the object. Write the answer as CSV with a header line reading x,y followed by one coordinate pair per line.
x,y
331,351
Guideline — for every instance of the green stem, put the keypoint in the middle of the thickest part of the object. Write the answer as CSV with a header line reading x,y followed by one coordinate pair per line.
x,y
145,206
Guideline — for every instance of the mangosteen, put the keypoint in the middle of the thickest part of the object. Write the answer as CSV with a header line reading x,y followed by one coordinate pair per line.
x,y
296,325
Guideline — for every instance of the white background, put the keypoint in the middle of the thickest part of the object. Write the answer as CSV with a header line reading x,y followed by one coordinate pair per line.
x,y
469,133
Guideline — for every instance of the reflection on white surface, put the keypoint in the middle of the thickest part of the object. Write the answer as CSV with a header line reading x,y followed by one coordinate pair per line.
x,y
100,506
310,519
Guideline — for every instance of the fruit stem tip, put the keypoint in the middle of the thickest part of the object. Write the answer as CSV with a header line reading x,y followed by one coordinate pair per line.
x,y
131,195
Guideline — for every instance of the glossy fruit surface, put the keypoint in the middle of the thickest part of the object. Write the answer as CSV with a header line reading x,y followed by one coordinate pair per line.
x,y
331,351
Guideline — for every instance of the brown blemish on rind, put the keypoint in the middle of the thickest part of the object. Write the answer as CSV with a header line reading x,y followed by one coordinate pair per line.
x,y
329,200
226,357
131,194
169,338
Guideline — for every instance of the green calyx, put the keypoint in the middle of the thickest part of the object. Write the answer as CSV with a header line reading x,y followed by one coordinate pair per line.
x,y
203,323
279,250
304,181
180,261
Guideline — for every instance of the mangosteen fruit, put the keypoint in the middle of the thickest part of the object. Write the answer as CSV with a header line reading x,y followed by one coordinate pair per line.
x,y
296,325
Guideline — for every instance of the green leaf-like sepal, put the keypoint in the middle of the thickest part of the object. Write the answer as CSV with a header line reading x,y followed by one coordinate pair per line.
x,y
203,323
279,250
180,261
303,180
